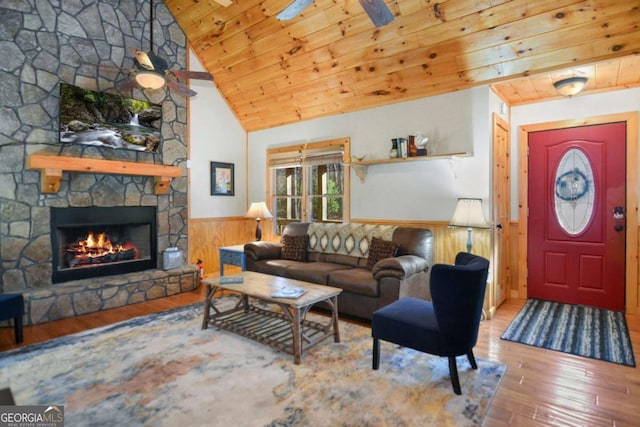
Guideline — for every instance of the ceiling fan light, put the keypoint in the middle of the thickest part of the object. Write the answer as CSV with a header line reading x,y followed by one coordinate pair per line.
x,y
150,80
570,86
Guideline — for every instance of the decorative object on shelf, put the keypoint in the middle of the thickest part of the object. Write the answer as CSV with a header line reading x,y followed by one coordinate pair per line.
x,y
570,86
258,210
413,149
403,149
172,258
393,153
421,142
222,180
469,214
357,158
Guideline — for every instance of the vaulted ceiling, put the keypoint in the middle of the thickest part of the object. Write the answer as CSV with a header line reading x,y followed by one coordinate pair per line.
x,y
331,59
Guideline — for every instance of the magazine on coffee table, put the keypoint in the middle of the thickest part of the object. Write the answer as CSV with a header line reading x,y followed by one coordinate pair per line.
x,y
288,292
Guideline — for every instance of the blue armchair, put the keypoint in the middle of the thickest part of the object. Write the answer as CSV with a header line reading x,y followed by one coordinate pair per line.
x,y
446,326
12,307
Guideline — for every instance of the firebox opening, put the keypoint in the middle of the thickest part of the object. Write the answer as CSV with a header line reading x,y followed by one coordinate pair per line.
x,y
100,241
87,247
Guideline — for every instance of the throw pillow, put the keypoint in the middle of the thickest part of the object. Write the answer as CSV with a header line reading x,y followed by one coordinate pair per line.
x,y
294,248
380,249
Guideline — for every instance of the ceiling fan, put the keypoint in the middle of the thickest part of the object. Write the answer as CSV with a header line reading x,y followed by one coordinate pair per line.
x,y
152,72
377,10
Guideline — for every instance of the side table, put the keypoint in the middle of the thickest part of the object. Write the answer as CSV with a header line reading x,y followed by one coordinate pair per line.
x,y
232,255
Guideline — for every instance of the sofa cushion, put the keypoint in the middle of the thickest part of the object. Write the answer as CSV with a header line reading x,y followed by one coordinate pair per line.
x,y
355,280
380,249
314,272
275,267
413,241
333,258
263,250
294,248
296,229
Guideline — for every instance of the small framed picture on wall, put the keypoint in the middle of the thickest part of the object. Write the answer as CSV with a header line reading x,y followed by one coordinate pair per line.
x,y
222,183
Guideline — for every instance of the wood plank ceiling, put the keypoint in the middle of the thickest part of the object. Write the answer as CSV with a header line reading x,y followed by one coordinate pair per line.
x,y
331,59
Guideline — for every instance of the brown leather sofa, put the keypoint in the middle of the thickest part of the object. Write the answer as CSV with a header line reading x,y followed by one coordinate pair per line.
x,y
338,255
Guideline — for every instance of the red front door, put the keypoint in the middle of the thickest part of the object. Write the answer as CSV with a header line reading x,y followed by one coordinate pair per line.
x,y
576,223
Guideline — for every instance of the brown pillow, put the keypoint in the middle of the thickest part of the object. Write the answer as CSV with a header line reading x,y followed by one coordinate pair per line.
x,y
294,248
380,249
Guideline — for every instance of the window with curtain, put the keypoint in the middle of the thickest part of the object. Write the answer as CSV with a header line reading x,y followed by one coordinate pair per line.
x,y
309,182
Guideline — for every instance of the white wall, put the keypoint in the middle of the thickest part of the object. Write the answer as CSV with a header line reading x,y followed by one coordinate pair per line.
x,y
459,121
578,107
215,135
428,190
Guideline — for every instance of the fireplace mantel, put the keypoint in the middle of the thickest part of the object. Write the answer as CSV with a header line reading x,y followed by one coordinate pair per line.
x,y
52,167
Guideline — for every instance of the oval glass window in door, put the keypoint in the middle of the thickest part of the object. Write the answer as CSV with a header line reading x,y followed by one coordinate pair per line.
x,y
574,191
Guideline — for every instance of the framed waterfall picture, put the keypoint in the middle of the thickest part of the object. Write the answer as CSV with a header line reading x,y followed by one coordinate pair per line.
x,y
222,182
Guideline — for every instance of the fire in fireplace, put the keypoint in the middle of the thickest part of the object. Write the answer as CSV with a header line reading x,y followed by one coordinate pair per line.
x,y
98,249
100,241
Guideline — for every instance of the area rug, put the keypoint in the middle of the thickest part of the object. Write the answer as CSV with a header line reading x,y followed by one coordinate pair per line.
x,y
575,329
164,370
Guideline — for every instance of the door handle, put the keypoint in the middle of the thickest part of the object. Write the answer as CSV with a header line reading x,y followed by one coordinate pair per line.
x,y
618,217
618,213
499,226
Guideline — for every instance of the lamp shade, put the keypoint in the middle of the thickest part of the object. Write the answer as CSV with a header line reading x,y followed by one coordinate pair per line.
x,y
150,79
571,86
469,214
258,210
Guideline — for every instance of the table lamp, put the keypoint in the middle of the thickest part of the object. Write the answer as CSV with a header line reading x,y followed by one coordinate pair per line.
x,y
258,210
469,214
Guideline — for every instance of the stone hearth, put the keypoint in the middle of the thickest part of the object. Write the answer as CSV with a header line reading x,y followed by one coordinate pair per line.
x,y
90,295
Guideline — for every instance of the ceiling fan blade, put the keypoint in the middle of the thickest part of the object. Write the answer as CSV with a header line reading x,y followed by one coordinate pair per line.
x,y
142,59
159,64
378,12
127,85
196,75
180,88
105,66
293,9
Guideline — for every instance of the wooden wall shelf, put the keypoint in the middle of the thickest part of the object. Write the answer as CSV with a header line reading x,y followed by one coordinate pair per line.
x,y
360,167
52,167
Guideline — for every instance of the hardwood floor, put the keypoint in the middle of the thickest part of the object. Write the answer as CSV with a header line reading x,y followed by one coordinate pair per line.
x,y
540,388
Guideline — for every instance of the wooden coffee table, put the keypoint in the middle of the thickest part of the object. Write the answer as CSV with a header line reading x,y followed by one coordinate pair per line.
x,y
285,329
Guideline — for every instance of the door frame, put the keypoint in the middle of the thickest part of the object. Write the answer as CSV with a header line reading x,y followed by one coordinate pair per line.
x,y
632,303
500,253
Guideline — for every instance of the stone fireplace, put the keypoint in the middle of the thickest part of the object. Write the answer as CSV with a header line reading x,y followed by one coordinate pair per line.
x,y
95,33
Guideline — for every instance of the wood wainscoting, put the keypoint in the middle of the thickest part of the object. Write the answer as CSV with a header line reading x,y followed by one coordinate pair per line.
x,y
206,235
448,241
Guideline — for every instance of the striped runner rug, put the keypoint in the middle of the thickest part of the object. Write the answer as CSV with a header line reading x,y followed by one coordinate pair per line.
x,y
575,329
